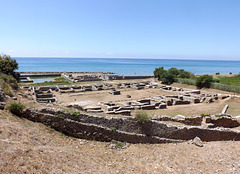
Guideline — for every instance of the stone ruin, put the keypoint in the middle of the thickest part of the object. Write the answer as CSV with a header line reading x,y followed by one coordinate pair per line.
x,y
180,96
97,76
91,76
130,130
44,94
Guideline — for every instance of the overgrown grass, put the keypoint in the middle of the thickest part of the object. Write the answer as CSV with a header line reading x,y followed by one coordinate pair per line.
x,y
7,84
55,81
235,80
16,108
186,81
8,81
142,116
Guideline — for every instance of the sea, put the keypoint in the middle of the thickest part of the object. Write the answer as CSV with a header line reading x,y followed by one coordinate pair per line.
x,y
124,66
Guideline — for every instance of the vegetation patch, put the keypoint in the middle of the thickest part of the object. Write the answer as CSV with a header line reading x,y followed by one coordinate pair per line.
x,y
169,76
235,80
204,81
54,82
117,145
142,116
16,108
75,113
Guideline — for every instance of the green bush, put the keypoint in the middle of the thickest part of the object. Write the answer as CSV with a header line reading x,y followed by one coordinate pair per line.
x,y
16,108
204,81
167,78
158,72
8,66
142,116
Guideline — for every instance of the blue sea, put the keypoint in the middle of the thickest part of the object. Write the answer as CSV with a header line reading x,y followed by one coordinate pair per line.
x,y
125,66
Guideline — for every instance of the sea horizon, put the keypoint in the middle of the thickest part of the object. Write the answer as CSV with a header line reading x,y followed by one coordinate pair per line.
x,y
124,66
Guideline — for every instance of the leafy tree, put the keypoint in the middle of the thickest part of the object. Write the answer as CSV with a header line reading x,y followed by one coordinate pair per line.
x,y
158,72
185,75
174,72
167,78
204,81
8,66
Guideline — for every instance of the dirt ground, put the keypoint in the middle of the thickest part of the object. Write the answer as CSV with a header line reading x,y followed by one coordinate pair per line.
x,y
28,147
105,96
95,97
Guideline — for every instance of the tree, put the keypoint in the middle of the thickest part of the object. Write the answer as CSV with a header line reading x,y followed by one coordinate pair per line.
x,y
173,71
167,78
8,66
158,72
204,81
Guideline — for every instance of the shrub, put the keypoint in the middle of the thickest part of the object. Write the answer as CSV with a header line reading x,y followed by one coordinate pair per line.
x,y
16,108
158,72
75,113
174,72
204,81
7,91
186,81
167,78
8,66
142,116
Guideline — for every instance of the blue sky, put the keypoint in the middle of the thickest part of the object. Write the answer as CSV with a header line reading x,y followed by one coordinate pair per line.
x,y
185,29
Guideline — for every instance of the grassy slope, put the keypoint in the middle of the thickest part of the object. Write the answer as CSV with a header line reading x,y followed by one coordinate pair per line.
x,y
235,80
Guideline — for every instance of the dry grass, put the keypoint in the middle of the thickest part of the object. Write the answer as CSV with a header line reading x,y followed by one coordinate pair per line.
x,y
105,96
28,147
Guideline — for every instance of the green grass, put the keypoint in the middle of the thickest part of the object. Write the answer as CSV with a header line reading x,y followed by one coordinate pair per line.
x,y
45,77
235,80
56,81
16,108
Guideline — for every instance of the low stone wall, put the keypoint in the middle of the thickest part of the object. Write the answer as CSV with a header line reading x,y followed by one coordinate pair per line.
x,y
137,77
125,129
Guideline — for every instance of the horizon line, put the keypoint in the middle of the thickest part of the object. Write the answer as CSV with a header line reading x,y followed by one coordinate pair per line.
x,y
55,57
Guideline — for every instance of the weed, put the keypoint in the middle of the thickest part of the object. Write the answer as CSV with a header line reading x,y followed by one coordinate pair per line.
x,y
205,115
75,113
16,108
113,128
142,116
117,145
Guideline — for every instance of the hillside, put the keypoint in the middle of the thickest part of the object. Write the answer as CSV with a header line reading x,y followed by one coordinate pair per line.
x,y
28,147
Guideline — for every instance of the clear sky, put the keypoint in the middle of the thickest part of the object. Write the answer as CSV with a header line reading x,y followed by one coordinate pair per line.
x,y
186,29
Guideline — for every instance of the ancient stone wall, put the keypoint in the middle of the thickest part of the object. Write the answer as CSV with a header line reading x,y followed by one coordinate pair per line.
x,y
125,129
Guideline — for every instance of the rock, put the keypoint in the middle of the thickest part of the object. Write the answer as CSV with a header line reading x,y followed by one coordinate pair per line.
x,y
197,141
179,117
2,105
2,95
14,98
